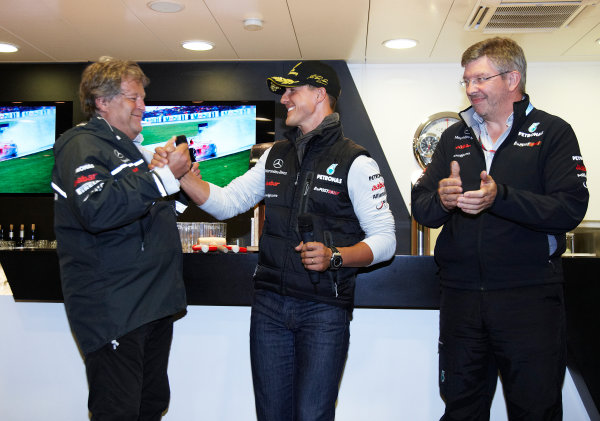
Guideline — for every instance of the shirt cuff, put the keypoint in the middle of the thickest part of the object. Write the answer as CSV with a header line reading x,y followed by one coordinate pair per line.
x,y
166,182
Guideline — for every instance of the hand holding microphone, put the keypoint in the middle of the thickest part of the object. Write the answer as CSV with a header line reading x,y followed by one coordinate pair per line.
x,y
182,139
305,227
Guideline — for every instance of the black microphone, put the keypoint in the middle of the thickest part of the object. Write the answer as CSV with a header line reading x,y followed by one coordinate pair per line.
x,y
305,226
182,139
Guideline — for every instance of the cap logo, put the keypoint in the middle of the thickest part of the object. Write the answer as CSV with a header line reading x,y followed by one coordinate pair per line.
x,y
319,79
283,80
293,72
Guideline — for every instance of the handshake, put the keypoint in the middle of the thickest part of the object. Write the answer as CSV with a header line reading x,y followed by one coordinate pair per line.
x,y
177,155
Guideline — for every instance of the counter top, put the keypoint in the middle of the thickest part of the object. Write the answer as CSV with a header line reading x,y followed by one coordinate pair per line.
x,y
226,279
406,282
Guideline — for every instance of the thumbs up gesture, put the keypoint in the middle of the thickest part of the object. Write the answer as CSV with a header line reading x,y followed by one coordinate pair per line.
x,y
450,189
475,201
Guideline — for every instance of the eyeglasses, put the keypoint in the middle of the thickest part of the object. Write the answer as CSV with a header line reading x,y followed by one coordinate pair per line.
x,y
133,98
479,80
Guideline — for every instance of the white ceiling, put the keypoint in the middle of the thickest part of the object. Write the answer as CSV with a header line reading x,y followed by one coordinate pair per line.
x,y
351,30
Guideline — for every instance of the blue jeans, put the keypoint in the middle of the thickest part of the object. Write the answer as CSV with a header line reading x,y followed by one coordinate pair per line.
x,y
298,349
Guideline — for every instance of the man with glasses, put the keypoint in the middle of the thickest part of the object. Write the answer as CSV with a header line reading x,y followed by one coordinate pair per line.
x,y
506,183
118,246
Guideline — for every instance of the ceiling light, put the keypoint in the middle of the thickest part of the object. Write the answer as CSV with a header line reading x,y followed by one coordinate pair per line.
x,y
253,24
400,43
165,6
598,40
198,45
5,47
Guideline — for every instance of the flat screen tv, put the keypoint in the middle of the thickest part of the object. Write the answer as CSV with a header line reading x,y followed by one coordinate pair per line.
x,y
220,134
27,134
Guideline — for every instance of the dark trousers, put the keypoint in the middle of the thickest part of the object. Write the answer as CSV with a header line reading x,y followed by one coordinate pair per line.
x,y
519,333
128,378
298,349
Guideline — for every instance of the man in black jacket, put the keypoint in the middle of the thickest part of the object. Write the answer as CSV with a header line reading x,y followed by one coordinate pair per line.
x,y
506,183
118,246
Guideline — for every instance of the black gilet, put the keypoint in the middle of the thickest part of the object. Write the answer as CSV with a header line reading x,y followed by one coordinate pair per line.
x,y
319,187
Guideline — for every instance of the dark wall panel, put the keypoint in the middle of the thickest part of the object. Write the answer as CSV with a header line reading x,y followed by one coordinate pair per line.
x,y
209,81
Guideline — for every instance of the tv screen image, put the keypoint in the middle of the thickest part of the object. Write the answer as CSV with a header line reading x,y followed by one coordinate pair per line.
x,y
27,135
219,134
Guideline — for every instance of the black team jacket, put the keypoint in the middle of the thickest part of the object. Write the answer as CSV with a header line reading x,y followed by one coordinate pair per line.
x,y
542,191
118,244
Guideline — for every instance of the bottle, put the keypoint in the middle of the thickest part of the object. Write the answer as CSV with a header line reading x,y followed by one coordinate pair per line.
x,y
21,239
1,233
11,233
33,234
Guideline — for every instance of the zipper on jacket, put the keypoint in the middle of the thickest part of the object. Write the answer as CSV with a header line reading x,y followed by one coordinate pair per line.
x,y
480,253
328,241
143,234
290,225
306,186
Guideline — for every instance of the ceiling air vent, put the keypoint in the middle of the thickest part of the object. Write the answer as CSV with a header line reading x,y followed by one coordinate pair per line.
x,y
503,16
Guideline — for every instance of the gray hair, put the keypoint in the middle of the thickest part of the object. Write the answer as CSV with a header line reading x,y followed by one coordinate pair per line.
x,y
505,53
103,79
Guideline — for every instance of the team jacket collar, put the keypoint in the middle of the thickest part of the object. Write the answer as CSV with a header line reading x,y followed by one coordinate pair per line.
x,y
520,111
332,120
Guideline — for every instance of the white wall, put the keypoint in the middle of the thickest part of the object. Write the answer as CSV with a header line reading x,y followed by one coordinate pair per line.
x,y
399,97
391,372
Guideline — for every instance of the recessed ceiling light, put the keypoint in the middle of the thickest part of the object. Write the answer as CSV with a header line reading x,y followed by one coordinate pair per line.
x,y
198,45
253,24
598,41
165,6
5,47
400,43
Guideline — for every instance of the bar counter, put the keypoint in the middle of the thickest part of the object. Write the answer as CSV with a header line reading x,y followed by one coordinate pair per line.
x,y
225,279
407,282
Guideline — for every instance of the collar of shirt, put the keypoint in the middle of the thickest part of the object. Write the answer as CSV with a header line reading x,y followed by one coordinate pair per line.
x,y
138,139
477,124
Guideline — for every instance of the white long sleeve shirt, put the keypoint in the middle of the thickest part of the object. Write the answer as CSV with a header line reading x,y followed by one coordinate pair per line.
x,y
365,187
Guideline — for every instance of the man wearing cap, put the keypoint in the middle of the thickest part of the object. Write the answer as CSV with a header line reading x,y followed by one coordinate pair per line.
x,y
304,292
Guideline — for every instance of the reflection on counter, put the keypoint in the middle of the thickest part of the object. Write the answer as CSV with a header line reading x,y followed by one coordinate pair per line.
x,y
4,287
584,241
28,244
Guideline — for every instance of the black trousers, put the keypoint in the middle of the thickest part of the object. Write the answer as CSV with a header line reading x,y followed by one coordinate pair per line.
x,y
519,333
128,378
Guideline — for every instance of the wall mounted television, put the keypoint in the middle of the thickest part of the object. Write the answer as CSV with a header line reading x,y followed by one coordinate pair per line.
x,y
219,133
28,130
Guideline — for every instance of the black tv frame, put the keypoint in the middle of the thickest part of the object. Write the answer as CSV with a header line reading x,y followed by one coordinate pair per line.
x,y
64,121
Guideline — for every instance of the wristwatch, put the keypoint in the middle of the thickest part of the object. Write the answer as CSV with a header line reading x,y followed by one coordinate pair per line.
x,y
336,259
